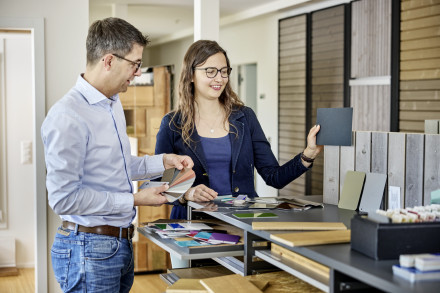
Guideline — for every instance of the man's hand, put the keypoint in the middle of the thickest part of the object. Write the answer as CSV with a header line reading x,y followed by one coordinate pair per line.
x,y
151,196
175,161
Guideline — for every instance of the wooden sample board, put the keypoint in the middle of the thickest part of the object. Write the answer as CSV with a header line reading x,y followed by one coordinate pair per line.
x,y
300,260
301,226
312,238
187,286
224,284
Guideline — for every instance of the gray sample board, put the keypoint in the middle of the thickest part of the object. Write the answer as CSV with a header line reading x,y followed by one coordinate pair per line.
x,y
372,195
336,126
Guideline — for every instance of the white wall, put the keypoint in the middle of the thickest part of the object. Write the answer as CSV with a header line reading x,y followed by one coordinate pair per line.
x,y
252,41
66,24
20,186
256,41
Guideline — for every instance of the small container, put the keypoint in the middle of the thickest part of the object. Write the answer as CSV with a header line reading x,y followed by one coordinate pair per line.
x,y
389,240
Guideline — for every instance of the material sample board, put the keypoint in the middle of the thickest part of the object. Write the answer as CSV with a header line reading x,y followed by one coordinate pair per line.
x,y
372,195
352,190
336,126
313,238
186,286
227,284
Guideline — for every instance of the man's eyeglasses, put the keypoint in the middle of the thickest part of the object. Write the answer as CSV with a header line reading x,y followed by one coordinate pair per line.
x,y
212,72
137,64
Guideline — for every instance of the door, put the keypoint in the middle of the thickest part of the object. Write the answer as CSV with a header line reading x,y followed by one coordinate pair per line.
x,y
17,168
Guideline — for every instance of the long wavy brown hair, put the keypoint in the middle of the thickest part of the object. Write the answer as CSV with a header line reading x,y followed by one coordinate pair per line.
x,y
196,55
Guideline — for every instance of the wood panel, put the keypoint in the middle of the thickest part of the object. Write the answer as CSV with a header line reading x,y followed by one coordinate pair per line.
x,y
363,151
414,170
432,126
432,166
371,107
137,96
410,160
420,63
371,35
292,99
327,81
331,175
396,163
379,152
347,163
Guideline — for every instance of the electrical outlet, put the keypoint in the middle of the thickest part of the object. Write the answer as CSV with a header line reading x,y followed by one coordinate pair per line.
x,y
26,152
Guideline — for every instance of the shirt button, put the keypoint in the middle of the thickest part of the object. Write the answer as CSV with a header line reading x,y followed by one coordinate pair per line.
x,y
236,189
233,172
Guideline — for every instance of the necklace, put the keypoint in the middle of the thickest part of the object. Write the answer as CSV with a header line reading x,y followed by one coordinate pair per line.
x,y
211,128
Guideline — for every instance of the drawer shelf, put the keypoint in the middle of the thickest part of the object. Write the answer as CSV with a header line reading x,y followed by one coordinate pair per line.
x,y
197,252
298,271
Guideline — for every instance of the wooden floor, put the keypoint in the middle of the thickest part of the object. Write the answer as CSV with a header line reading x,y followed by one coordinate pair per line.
x,y
280,282
24,283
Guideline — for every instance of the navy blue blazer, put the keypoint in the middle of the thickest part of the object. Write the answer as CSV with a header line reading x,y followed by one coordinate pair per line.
x,y
250,149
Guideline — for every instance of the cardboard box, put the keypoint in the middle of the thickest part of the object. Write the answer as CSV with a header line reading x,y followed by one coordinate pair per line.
x,y
389,241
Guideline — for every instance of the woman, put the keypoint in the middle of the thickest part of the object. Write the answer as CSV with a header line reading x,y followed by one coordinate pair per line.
x,y
221,135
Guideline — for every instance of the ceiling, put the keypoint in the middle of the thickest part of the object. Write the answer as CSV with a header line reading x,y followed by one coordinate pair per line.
x,y
165,20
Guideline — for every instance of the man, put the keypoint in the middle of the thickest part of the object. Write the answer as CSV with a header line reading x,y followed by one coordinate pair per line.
x,y
90,169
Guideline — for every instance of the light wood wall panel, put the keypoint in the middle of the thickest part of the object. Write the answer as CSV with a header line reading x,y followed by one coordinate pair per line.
x,y
371,107
370,38
419,64
327,84
292,95
371,57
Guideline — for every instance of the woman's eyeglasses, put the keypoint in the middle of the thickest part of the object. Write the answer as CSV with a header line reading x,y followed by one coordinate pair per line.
x,y
212,72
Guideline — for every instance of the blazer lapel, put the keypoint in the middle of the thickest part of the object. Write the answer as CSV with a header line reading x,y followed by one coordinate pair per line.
x,y
196,148
236,138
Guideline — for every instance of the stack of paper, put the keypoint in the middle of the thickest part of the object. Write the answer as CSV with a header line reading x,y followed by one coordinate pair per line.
x,y
428,263
415,267
173,230
412,274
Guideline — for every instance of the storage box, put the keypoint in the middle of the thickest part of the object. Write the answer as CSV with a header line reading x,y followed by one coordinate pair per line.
x,y
388,241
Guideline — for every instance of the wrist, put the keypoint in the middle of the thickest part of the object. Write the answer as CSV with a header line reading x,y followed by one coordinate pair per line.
x,y
309,153
306,158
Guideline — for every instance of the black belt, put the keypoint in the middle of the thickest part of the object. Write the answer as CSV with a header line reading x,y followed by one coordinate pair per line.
x,y
102,230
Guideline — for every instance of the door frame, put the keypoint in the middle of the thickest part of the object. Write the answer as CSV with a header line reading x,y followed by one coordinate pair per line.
x,y
36,26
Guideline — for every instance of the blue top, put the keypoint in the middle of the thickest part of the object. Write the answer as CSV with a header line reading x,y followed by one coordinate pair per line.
x,y
88,160
218,158
249,149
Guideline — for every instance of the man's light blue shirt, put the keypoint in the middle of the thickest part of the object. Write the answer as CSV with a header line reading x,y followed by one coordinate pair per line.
x,y
88,160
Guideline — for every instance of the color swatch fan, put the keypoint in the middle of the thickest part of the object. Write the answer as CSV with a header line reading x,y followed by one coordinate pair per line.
x,y
179,180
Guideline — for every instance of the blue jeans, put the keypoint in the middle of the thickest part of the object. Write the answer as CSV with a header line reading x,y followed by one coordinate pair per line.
x,y
85,262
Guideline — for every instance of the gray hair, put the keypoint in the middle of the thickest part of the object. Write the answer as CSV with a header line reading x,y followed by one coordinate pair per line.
x,y
112,35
